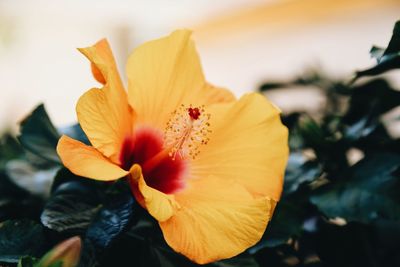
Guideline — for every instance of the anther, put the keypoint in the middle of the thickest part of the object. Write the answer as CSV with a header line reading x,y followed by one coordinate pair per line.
x,y
186,131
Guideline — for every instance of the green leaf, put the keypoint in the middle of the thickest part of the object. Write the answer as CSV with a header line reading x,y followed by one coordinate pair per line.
x,y
369,101
27,261
145,242
349,245
361,125
20,238
377,52
287,221
9,149
71,207
299,171
31,178
394,43
387,60
38,134
16,202
112,220
137,245
368,191
311,132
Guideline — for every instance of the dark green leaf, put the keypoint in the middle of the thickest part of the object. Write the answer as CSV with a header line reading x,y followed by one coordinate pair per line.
x,y
377,52
64,175
16,202
112,220
299,171
389,59
386,235
387,63
361,129
9,149
394,43
38,135
71,207
350,245
311,132
138,245
31,178
287,221
369,191
20,238
296,141
369,101
152,250
273,85
27,261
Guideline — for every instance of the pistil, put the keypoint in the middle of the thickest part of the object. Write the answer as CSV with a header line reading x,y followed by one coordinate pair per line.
x,y
186,131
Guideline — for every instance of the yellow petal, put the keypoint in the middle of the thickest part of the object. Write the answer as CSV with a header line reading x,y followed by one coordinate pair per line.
x,y
213,95
105,115
86,161
164,73
161,206
216,220
248,144
97,74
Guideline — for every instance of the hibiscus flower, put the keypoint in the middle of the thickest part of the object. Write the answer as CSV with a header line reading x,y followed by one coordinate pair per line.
x,y
208,167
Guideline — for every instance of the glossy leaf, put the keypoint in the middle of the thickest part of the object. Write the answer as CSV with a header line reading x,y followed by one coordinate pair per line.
x,y
35,180
20,238
71,207
147,245
369,191
38,134
111,221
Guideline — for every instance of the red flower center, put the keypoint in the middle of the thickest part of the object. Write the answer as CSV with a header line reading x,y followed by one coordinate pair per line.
x,y
160,171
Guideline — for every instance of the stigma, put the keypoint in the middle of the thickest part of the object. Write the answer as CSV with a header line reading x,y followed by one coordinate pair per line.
x,y
186,131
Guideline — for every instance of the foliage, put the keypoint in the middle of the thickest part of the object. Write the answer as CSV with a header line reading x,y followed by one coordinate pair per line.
x,y
333,211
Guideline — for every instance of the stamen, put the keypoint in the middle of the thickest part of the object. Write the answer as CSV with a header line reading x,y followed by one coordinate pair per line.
x,y
186,131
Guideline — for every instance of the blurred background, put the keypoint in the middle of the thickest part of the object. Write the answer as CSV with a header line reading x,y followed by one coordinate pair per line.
x,y
241,44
